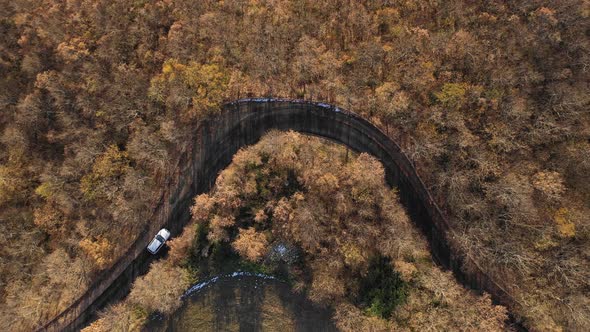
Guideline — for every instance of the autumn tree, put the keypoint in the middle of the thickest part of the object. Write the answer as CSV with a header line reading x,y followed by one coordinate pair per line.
x,y
160,289
99,250
103,182
193,91
250,244
14,184
314,63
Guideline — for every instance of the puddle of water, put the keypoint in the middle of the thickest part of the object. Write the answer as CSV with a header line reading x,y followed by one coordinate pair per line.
x,y
245,303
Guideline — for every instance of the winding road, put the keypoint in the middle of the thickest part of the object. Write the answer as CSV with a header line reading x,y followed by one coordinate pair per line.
x,y
242,123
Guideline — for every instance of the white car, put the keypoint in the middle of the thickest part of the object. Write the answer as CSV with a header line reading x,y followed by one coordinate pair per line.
x,y
158,241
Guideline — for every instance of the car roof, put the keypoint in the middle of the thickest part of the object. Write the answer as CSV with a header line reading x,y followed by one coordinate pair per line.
x,y
154,245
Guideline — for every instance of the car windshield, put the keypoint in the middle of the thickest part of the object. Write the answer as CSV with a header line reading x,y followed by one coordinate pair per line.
x,y
154,245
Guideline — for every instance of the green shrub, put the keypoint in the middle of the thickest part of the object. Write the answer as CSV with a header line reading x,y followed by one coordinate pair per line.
x,y
382,289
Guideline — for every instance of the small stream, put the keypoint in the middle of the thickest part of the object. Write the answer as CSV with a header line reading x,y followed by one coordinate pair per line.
x,y
244,302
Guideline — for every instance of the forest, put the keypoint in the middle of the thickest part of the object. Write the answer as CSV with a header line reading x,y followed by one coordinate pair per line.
x,y
488,98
